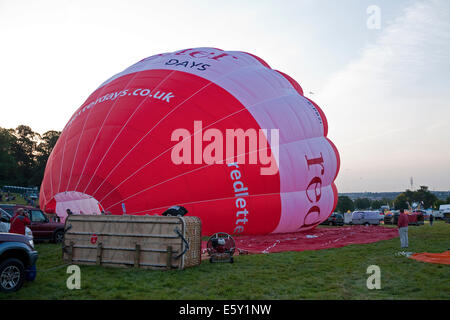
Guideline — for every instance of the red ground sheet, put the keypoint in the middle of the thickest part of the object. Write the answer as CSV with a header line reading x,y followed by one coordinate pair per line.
x,y
319,238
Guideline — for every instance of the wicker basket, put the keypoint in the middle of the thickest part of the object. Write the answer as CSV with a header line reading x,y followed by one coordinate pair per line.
x,y
154,242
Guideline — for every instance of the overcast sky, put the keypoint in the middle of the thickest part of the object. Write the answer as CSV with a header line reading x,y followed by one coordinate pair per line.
x,y
382,83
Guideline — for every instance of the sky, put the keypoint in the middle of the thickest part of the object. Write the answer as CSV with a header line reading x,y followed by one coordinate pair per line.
x,y
379,69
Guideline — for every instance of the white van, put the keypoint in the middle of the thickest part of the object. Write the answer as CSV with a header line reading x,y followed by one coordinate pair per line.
x,y
348,218
444,209
438,214
366,217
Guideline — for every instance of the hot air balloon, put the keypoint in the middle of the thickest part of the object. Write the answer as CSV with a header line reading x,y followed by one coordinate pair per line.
x,y
218,132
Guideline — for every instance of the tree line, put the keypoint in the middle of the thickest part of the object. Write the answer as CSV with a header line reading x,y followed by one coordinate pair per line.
x,y
404,200
24,154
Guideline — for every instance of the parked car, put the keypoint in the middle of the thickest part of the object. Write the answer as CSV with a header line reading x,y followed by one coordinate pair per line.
x,y
447,217
4,221
17,261
416,218
335,219
41,226
391,218
8,208
438,215
424,213
444,210
366,218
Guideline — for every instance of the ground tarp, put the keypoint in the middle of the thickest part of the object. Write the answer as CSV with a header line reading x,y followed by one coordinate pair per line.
x,y
317,239
441,258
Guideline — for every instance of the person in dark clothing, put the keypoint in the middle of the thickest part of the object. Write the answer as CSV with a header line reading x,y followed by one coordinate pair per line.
x,y
431,219
19,221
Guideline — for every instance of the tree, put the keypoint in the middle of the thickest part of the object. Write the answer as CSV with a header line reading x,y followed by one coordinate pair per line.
x,y
422,196
8,163
344,204
43,151
362,203
24,154
23,148
376,204
438,203
401,201
388,201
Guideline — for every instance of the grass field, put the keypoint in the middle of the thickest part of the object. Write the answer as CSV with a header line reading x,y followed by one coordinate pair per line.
x,y
19,200
326,274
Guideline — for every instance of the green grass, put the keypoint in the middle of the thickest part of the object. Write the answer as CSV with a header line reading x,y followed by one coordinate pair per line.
x,y
325,274
19,199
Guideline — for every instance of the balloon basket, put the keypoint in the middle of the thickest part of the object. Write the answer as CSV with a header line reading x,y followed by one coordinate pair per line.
x,y
149,242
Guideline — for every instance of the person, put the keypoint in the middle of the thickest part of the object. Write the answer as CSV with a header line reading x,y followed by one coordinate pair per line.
x,y
431,219
403,229
69,212
19,221
54,218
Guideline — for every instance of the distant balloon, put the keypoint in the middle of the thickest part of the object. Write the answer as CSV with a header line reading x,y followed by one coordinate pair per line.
x,y
218,132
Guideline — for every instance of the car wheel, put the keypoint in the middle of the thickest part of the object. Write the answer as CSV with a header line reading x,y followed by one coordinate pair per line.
x,y
366,224
58,237
330,223
11,275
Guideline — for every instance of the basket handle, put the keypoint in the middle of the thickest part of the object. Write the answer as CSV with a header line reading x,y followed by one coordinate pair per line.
x,y
185,242
68,228
64,244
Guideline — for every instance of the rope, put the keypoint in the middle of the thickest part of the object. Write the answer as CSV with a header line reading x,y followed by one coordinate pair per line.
x,y
54,268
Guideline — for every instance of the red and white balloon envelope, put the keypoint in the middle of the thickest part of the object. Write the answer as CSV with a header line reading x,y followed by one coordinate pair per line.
x,y
218,132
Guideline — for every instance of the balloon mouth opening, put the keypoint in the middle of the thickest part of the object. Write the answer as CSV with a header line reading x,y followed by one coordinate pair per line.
x,y
73,202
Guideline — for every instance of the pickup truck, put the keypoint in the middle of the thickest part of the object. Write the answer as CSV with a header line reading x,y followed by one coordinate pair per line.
x,y
17,261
